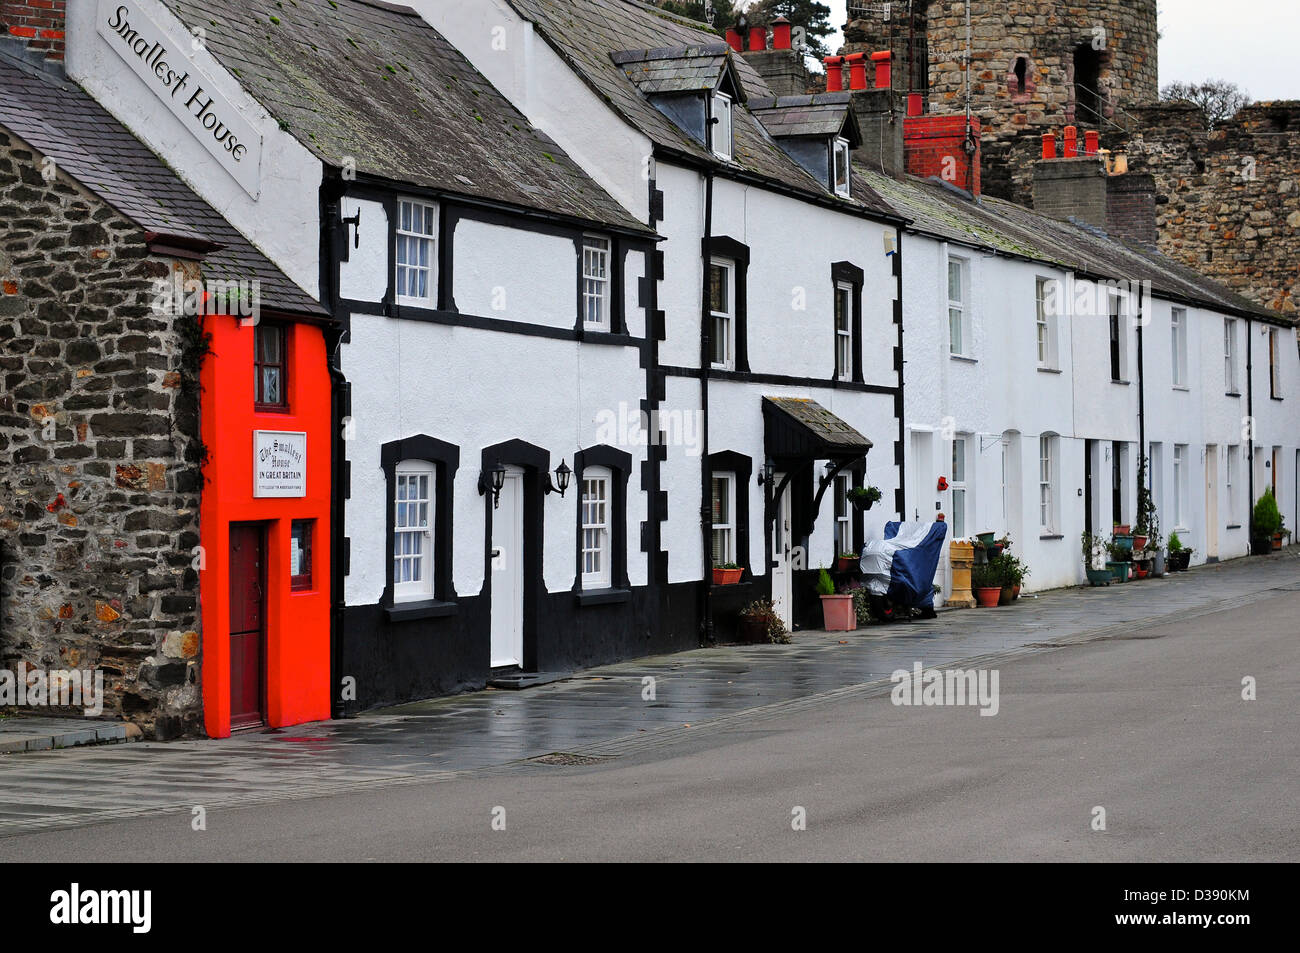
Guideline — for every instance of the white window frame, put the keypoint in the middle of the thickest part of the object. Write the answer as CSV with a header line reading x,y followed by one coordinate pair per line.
x,y
595,282
723,112
1180,486
842,160
420,558
1178,345
959,308
843,515
1230,377
597,530
1234,454
1274,363
844,335
1046,321
728,317
1005,508
411,237
727,483
959,486
1047,454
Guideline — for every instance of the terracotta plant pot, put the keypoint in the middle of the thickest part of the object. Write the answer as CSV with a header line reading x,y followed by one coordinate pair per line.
x,y
1277,541
1015,592
846,565
839,613
727,577
1143,573
1005,596
988,598
1139,543
1123,530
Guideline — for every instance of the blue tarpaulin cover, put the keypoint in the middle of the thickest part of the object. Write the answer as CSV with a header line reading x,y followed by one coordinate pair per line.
x,y
903,565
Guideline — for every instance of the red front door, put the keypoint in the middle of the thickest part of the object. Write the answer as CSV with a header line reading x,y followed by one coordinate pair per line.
x,y
247,626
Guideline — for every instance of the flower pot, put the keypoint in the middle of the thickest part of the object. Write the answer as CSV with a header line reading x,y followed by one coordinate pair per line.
x,y
1158,565
1259,546
1142,573
1015,593
962,557
1005,596
1139,543
987,539
839,614
1119,571
846,564
1124,541
1277,541
753,631
1123,529
1178,562
988,598
727,577
1100,577
995,550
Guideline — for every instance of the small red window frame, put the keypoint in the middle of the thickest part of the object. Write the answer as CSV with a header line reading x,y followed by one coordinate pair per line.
x,y
303,583
282,365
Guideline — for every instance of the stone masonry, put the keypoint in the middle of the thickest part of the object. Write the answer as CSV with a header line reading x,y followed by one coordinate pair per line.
x,y
99,452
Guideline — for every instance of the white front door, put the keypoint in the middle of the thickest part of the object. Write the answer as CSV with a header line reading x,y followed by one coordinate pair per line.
x,y
782,580
1211,502
508,573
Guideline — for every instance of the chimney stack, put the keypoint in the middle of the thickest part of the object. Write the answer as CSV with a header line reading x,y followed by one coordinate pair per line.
x,y
857,70
1087,188
944,147
38,25
782,67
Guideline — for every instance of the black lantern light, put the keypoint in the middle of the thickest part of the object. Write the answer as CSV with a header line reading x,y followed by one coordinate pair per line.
x,y
494,480
562,477
767,474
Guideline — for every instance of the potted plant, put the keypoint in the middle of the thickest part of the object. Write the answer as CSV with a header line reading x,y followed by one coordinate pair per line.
x,y
1267,523
727,574
1093,547
1180,556
986,581
760,623
1019,572
864,497
1120,557
847,562
838,613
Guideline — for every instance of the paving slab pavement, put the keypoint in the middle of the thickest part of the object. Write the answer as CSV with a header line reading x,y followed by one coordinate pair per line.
x,y
597,714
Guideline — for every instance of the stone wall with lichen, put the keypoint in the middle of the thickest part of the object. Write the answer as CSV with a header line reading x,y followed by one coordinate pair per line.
x,y
99,452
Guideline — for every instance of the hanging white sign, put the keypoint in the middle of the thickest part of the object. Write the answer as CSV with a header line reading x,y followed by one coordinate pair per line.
x,y
187,91
279,464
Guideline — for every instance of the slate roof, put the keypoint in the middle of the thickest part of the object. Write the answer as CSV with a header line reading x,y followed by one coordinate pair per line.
x,y
806,426
682,69
820,115
373,83
586,32
59,120
949,214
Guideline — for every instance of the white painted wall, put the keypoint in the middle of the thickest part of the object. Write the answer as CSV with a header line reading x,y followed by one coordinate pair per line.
x,y
284,220
365,275
523,66
514,275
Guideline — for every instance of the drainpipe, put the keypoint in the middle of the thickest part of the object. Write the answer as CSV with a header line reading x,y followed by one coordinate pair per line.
x,y
1143,303
332,235
1250,414
900,404
706,372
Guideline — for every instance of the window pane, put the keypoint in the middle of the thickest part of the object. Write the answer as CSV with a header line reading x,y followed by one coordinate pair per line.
x,y
954,331
719,292
954,281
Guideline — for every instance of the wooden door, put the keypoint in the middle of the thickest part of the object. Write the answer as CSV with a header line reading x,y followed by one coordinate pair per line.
x,y
247,626
507,647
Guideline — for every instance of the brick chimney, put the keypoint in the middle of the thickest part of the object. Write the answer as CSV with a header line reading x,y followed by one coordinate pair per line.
x,y
782,67
1096,188
878,107
944,147
34,27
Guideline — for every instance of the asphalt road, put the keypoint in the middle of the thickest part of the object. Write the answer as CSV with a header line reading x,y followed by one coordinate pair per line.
x,y
1151,726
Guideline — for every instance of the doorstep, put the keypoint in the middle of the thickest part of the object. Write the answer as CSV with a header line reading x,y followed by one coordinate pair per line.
x,y
522,680
19,733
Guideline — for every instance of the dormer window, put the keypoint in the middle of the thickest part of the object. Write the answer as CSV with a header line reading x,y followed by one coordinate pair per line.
x,y
842,186
722,126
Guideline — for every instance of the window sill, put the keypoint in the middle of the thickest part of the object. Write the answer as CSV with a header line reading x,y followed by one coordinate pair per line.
x,y
1049,536
1185,390
425,609
279,410
1233,526
964,359
1049,370
1120,382
603,597
1275,398
1233,393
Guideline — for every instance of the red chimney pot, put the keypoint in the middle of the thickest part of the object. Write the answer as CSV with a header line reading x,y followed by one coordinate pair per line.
x,y
857,70
915,104
1049,146
834,74
735,40
884,71
1071,142
781,34
757,39
1091,142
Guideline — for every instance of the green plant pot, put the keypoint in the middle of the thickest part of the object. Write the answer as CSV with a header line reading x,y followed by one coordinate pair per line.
x,y
1100,577
1118,571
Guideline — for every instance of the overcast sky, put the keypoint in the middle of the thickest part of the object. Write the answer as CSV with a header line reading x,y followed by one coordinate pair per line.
x,y
1249,42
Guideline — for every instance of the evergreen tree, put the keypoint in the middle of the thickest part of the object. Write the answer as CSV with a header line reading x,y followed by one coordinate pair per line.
x,y
725,13
814,17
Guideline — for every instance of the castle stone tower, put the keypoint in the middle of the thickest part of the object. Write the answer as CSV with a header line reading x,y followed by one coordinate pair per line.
x,y
1036,65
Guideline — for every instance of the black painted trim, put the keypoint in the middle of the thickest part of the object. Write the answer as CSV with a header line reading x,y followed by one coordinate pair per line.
x,y
617,265
782,379
619,465
445,458
456,319
720,246
845,272
411,611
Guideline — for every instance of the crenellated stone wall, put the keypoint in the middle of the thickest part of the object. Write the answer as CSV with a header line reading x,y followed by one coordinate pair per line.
x,y
99,452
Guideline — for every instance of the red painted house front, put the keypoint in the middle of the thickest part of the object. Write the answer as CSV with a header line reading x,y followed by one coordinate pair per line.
x,y
265,525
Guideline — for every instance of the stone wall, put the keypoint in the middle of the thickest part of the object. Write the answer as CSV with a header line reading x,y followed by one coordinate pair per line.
x,y
99,452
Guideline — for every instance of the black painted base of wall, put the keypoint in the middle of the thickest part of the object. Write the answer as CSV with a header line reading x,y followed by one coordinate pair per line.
x,y
396,662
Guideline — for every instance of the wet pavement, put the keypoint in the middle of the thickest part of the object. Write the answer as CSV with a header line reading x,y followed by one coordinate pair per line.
x,y
602,713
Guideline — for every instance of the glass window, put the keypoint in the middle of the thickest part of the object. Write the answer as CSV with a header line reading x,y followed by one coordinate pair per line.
x,y
1230,355
300,555
722,128
1274,366
844,332
1180,485
1046,483
842,167
958,328
724,519
595,527
722,304
595,283
1178,344
413,530
416,230
959,488
1118,340
1233,454
843,519
270,366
